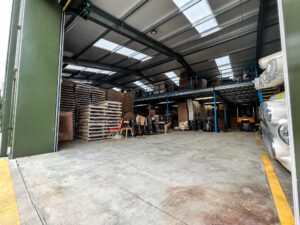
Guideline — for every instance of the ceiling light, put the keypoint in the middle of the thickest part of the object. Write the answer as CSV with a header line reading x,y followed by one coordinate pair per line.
x,y
162,103
117,89
141,105
203,98
153,32
211,103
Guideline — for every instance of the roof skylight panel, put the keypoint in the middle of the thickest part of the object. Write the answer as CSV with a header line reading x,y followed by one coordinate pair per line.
x,y
107,45
224,66
113,47
143,86
173,77
197,12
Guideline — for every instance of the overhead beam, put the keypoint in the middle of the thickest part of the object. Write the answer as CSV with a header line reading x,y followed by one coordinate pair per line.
x,y
260,28
103,66
106,20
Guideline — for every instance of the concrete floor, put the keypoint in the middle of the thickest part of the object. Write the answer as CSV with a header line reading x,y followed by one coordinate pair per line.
x,y
181,178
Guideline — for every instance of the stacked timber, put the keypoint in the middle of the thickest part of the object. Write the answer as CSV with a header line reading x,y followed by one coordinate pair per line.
x,y
95,121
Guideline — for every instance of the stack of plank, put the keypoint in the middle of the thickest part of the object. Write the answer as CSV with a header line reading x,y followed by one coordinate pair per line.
x,y
97,95
67,101
95,121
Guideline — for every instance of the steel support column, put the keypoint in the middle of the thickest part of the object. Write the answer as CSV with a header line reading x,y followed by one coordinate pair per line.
x,y
168,111
215,112
225,115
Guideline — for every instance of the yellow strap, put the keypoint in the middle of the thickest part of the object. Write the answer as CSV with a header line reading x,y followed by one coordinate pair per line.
x,y
284,211
8,205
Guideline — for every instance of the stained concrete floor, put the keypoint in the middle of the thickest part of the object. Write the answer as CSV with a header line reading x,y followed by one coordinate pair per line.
x,y
180,178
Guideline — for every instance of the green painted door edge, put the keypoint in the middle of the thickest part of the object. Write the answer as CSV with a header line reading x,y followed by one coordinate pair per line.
x,y
290,37
37,80
9,75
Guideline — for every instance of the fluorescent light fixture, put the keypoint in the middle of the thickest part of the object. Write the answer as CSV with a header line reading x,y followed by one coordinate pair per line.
x,y
93,70
66,74
141,105
173,77
88,69
143,86
203,98
196,13
113,47
74,67
211,103
162,103
224,66
116,89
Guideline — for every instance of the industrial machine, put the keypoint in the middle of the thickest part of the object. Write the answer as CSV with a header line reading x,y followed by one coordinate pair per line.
x,y
246,117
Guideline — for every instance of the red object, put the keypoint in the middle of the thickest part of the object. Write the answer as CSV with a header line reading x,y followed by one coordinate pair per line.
x,y
117,129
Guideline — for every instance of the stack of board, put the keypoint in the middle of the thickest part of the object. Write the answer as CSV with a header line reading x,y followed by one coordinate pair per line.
x,y
97,95
95,121
67,99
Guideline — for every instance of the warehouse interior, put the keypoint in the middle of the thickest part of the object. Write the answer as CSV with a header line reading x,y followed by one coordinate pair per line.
x,y
162,112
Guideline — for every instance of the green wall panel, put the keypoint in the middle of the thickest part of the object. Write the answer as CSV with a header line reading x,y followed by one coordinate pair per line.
x,y
291,16
37,81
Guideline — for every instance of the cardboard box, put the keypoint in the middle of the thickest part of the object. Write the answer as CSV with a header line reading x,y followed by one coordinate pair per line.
x,y
65,126
182,112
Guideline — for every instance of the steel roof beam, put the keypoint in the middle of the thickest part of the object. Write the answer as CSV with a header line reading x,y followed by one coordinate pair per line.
x,y
260,28
106,20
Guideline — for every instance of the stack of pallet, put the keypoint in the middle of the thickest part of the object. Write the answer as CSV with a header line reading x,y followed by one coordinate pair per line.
x,y
113,113
82,99
67,101
97,95
92,123
82,95
95,121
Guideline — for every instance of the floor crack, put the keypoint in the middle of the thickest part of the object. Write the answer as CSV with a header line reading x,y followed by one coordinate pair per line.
x,y
34,206
154,206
